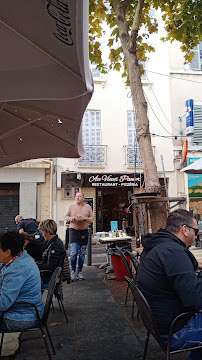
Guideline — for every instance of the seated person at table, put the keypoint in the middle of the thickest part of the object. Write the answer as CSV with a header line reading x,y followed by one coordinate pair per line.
x,y
54,251
31,226
167,278
19,281
33,246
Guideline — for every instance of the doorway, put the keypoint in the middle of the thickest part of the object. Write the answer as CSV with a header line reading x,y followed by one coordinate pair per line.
x,y
9,205
112,205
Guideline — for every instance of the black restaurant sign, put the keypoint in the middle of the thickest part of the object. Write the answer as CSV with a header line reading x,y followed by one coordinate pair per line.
x,y
112,180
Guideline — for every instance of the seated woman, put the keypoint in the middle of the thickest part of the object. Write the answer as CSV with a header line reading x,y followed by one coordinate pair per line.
x,y
19,281
34,247
54,251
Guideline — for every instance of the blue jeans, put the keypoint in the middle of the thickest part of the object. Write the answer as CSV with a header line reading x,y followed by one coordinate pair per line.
x,y
15,325
77,250
189,336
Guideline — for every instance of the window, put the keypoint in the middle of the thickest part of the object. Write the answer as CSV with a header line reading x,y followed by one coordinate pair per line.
x,y
144,64
196,63
95,153
133,147
91,127
197,137
95,72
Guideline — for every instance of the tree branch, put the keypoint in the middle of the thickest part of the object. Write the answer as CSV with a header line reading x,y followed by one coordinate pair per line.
x,y
137,17
119,8
125,4
136,25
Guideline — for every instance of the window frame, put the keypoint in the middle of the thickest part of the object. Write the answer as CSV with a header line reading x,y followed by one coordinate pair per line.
x,y
197,58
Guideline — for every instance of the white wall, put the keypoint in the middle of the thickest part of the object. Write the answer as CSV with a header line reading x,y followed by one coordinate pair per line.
x,y
28,179
28,191
13,175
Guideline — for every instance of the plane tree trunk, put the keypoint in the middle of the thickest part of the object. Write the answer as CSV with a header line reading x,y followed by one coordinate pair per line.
x,y
129,46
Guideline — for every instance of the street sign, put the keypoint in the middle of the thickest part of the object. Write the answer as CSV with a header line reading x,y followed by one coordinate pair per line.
x,y
189,117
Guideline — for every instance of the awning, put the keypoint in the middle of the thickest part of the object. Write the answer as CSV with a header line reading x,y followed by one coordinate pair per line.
x,y
194,168
45,80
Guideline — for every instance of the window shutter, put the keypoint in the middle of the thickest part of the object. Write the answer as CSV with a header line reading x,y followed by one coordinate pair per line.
x,y
196,63
197,137
91,127
131,128
133,150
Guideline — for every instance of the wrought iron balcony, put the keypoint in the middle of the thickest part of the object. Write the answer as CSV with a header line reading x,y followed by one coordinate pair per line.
x,y
95,155
132,156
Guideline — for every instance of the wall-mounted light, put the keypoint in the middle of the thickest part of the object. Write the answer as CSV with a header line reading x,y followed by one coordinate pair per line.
x,y
78,176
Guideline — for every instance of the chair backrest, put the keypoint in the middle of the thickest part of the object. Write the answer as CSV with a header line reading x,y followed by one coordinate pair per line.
x,y
145,312
66,275
125,262
55,278
135,263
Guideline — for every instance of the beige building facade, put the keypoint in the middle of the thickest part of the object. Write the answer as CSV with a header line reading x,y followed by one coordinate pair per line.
x,y
111,169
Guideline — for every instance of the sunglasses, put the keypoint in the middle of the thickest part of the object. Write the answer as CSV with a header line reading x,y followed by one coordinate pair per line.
x,y
196,230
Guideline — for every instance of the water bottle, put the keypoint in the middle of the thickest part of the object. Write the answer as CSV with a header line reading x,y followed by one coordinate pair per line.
x,y
123,224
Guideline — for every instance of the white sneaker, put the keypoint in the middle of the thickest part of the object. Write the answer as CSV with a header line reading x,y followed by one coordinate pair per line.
x,y
73,276
80,276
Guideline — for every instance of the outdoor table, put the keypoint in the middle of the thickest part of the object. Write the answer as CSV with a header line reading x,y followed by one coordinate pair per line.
x,y
117,241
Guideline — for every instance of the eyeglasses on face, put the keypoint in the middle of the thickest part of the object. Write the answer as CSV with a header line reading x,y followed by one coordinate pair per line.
x,y
196,230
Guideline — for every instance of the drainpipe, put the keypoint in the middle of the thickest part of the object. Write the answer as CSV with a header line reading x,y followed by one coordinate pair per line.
x,y
51,184
55,190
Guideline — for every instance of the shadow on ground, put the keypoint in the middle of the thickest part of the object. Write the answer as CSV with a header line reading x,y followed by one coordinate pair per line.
x,y
100,325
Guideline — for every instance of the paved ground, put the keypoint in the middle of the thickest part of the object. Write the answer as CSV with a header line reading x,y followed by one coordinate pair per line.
x,y
100,325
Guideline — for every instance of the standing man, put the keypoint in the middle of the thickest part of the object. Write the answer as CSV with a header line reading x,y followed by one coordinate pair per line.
x,y
167,278
79,215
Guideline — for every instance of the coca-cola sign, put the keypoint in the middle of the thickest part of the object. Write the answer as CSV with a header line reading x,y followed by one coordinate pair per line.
x,y
112,180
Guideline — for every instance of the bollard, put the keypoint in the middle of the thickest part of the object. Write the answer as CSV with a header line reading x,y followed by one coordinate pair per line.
x,y
89,247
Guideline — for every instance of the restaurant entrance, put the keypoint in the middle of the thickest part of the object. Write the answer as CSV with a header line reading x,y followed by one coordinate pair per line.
x,y
112,205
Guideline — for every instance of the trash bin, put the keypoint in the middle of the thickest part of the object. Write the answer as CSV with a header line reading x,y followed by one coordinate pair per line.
x,y
117,262
119,267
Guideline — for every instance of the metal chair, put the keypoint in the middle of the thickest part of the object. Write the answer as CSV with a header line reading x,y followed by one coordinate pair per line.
x,y
42,323
129,272
59,296
135,263
151,325
57,291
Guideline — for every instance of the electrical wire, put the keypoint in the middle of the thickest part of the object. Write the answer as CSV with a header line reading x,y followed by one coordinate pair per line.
x,y
174,77
129,94
156,115
160,106
175,137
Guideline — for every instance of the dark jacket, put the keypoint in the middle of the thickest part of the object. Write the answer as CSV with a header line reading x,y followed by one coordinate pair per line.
x,y
167,278
52,257
35,249
28,225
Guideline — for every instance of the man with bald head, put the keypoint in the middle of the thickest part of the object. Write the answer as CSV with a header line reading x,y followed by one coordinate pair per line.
x,y
26,225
